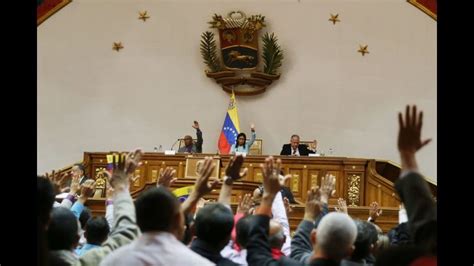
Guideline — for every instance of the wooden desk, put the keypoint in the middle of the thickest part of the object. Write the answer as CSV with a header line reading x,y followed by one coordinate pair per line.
x,y
358,180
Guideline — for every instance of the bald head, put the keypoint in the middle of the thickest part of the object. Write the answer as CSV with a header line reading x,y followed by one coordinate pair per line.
x,y
276,236
188,140
335,236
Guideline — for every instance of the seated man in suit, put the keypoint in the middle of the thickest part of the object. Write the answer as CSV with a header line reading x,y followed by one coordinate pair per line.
x,y
189,145
297,149
79,170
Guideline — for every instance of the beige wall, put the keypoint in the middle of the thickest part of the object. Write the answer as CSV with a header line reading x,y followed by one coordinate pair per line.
x,y
91,98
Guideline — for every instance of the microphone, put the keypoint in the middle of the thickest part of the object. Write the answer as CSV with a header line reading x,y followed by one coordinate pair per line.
x,y
174,144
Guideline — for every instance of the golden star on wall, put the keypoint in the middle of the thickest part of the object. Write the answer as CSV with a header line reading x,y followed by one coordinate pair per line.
x,y
117,46
143,16
363,49
334,18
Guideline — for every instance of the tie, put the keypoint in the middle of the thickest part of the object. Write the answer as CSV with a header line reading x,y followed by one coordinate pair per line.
x,y
294,151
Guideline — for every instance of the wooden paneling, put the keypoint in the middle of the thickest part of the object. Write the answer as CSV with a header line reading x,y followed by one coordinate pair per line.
x,y
357,180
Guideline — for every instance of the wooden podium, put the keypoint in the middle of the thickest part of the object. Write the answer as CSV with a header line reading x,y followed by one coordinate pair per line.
x,y
359,181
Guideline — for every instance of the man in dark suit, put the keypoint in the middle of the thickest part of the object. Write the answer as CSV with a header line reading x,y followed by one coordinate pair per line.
x,y
79,170
294,148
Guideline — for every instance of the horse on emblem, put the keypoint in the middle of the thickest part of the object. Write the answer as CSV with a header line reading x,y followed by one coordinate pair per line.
x,y
236,56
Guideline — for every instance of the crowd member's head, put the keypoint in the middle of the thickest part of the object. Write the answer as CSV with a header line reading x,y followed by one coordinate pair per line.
x,y
242,230
96,230
335,236
85,216
45,199
366,240
158,210
190,228
295,141
276,236
63,230
399,255
400,235
214,223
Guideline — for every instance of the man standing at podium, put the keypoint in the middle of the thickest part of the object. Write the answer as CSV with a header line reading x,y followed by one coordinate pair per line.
x,y
189,145
294,148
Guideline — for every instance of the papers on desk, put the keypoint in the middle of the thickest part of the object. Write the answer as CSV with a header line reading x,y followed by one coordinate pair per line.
x,y
314,154
170,152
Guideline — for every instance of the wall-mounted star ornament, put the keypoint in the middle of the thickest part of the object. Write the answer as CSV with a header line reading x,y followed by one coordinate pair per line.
x,y
143,15
334,18
363,49
117,46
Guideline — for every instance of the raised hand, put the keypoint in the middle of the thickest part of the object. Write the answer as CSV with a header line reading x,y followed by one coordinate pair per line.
x,y
342,206
166,177
196,125
328,185
283,179
75,186
313,145
109,194
374,211
233,169
288,207
409,135
123,169
245,203
57,180
271,177
252,127
87,190
313,204
202,187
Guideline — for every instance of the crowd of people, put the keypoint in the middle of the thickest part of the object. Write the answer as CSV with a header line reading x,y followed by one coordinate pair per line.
x,y
156,229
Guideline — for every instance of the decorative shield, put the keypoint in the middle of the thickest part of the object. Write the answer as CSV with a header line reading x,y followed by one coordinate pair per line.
x,y
238,37
237,69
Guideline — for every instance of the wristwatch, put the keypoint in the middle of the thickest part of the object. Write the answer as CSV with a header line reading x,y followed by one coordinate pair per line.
x,y
228,180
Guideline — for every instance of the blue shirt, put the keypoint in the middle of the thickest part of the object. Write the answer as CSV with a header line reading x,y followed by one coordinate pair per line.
x,y
245,148
85,248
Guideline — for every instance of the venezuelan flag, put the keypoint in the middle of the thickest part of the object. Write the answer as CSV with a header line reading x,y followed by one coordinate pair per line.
x,y
183,193
231,127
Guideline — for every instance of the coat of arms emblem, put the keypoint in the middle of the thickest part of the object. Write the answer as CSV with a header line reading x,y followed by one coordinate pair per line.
x,y
239,67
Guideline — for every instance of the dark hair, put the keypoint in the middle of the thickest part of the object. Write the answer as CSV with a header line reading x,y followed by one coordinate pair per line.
x,y
366,236
399,255
44,204
214,223
189,231
85,216
96,230
242,229
400,235
237,140
81,167
63,229
45,199
294,135
277,240
155,209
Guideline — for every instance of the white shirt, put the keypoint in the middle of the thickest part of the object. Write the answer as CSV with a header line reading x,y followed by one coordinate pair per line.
x,y
297,153
279,215
239,257
157,248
